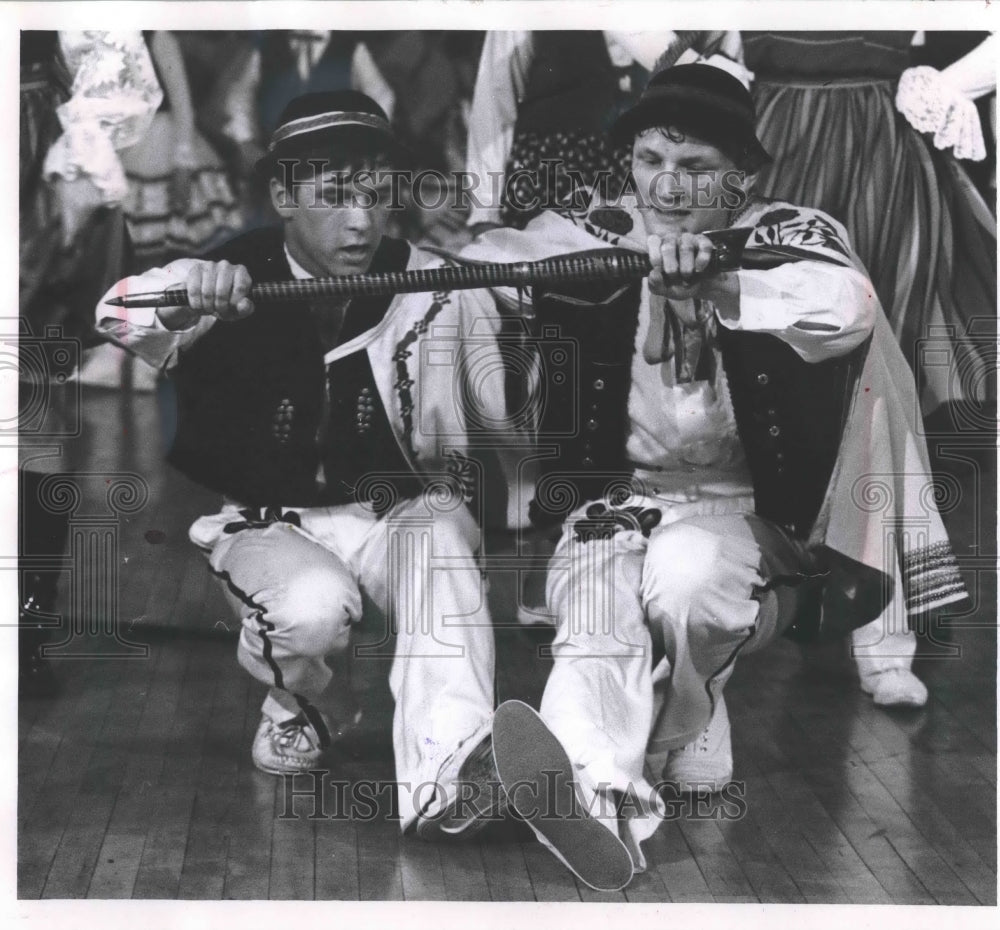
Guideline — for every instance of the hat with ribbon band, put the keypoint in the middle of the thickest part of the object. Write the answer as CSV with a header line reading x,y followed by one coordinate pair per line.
x,y
315,126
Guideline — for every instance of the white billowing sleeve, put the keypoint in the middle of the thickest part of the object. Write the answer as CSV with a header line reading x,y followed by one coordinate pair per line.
x,y
500,85
941,102
821,310
975,74
140,330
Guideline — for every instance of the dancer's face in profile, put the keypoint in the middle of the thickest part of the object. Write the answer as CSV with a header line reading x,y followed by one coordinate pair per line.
x,y
684,184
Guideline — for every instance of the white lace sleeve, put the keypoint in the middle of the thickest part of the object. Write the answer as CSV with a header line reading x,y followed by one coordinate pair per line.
x,y
114,96
934,103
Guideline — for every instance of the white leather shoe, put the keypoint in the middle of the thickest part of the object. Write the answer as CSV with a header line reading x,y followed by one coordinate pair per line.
x,y
707,761
287,747
464,806
895,687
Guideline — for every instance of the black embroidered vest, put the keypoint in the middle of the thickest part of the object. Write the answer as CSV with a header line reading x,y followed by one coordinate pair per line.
x,y
790,414
251,395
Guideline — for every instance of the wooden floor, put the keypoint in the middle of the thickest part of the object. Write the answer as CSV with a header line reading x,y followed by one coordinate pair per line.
x,y
136,781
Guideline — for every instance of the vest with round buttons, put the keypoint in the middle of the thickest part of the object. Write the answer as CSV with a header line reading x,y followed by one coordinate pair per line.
x,y
259,411
790,414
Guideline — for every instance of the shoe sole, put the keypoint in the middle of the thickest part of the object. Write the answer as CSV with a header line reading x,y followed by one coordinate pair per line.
x,y
275,770
696,787
899,703
439,827
894,702
527,755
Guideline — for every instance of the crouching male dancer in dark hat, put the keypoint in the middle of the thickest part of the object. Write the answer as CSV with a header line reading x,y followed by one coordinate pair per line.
x,y
333,432
733,427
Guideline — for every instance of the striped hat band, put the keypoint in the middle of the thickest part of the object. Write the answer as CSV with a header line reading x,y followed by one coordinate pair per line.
x,y
334,119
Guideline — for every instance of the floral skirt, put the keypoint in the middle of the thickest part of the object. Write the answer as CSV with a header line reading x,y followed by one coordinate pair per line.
x,y
924,233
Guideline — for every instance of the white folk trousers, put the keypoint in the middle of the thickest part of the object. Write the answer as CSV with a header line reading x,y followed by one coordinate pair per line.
x,y
297,591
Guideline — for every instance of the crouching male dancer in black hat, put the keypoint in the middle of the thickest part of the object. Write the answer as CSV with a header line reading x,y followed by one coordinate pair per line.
x,y
333,432
728,423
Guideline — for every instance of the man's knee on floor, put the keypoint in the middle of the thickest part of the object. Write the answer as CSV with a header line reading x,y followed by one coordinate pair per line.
x,y
316,609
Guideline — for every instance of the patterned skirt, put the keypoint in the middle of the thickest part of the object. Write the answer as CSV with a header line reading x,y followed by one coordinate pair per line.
x,y
924,233
162,226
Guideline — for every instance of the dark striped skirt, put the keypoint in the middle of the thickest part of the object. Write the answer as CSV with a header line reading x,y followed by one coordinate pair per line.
x,y
924,233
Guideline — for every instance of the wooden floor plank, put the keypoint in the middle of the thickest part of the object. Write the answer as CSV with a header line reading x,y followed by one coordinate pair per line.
x,y
35,758
188,732
966,797
765,872
151,744
867,838
780,821
984,763
81,842
674,862
891,823
504,865
203,874
114,741
223,751
464,872
937,830
117,866
76,718
379,876
421,868
829,844
934,874
337,861
248,866
36,848
966,714
293,860
162,863
780,827
550,880
647,888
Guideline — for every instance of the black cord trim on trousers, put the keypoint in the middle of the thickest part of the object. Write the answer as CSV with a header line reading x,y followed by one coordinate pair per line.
x,y
267,626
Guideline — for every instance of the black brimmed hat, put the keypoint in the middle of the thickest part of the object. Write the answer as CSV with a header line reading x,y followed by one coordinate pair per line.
x,y
702,100
315,125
